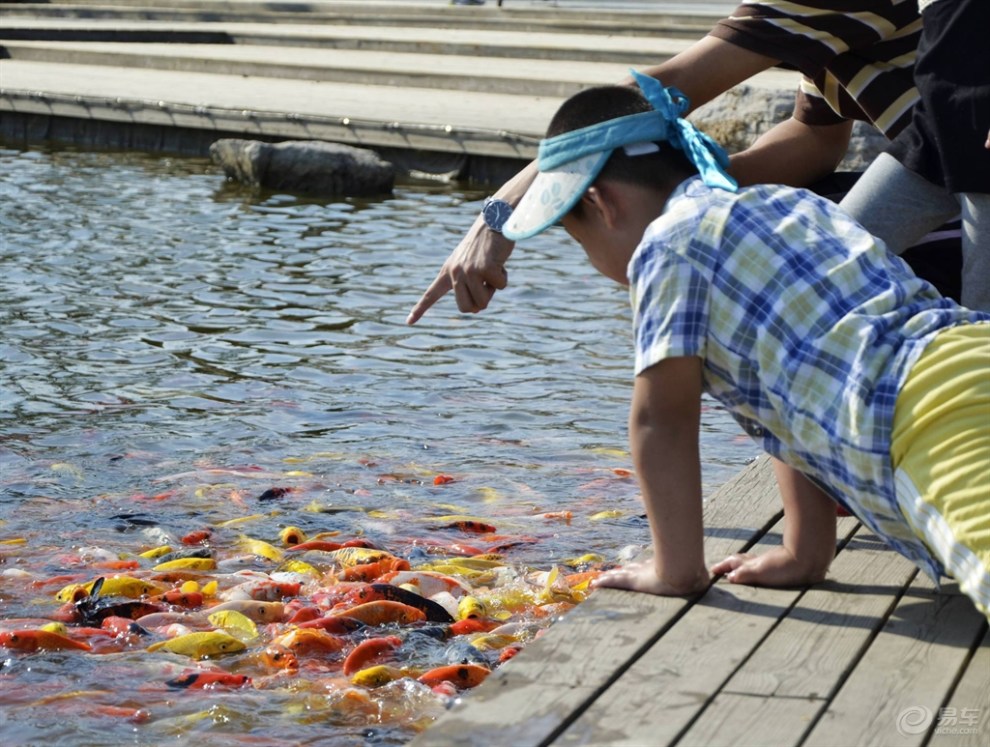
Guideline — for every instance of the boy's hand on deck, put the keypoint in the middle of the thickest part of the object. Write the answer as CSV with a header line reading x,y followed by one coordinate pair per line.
x,y
474,271
776,567
643,577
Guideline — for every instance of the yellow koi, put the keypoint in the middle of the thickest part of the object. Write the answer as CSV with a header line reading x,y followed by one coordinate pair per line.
x,y
201,645
187,564
610,514
377,676
292,536
236,623
156,552
113,586
261,548
468,606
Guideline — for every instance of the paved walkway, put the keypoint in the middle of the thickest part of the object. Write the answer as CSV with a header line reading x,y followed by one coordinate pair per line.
x,y
478,82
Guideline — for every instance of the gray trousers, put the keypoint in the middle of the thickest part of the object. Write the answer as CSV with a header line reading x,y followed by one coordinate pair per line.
x,y
900,207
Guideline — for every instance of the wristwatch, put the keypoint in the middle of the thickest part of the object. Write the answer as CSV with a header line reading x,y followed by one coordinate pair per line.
x,y
496,212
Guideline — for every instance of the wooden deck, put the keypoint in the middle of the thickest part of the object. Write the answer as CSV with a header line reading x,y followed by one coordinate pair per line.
x,y
873,656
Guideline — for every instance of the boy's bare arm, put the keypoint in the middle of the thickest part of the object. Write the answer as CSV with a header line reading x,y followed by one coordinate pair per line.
x,y
809,538
663,434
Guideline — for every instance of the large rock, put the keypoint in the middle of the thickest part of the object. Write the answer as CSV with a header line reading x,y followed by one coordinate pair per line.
x,y
311,166
740,115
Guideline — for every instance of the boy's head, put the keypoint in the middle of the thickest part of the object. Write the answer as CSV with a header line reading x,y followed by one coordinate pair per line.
x,y
618,135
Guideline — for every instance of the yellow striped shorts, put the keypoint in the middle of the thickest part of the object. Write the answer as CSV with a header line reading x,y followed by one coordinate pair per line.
x,y
941,455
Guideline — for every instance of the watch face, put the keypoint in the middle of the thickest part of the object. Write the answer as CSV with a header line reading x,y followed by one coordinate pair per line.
x,y
496,213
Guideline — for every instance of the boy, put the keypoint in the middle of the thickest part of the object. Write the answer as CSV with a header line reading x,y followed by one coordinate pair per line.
x,y
866,386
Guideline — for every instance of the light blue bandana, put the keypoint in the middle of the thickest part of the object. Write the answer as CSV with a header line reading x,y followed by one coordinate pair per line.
x,y
570,162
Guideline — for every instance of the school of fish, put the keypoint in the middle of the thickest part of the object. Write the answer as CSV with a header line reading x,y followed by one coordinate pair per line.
x,y
256,604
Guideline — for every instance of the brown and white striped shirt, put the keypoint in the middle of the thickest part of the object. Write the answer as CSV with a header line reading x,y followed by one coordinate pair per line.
x,y
857,56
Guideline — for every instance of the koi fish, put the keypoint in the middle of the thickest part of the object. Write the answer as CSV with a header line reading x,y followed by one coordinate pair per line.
x,y
368,651
302,641
472,625
279,657
335,624
262,590
110,586
469,606
236,623
463,675
200,645
372,571
384,612
427,583
187,564
208,680
260,612
44,640
179,598
377,676
291,536
389,592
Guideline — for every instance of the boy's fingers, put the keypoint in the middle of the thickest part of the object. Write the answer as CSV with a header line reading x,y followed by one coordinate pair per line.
x,y
437,290
731,563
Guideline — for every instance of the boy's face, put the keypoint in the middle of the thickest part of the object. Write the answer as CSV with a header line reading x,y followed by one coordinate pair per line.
x,y
610,225
597,246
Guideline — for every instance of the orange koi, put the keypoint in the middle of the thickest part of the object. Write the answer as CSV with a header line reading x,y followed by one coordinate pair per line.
x,y
473,625
279,657
208,680
371,571
383,612
180,598
368,651
305,614
335,624
117,565
442,479
508,652
321,545
472,527
197,537
462,675
45,640
301,641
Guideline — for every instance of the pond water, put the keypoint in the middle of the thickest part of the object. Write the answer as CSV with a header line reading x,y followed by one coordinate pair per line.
x,y
174,347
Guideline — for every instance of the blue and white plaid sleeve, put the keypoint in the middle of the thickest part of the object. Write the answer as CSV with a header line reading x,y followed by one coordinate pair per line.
x,y
669,298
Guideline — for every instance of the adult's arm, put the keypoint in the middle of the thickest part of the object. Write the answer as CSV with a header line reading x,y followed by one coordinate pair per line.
x,y
476,267
792,153
663,436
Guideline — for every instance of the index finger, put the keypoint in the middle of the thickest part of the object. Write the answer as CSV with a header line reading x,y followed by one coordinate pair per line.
x,y
439,288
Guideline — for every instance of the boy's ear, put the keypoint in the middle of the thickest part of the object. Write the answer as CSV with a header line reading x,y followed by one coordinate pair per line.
x,y
601,199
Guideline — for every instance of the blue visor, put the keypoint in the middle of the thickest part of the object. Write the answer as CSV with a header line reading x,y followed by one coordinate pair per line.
x,y
570,162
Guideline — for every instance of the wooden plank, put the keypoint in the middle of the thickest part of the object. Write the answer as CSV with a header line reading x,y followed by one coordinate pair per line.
x,y
907,672
807,656
810,653
735,720
666,689
527,701
964,721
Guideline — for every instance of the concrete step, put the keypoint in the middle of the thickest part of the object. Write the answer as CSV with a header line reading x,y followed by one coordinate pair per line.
x,y
682,23
558,78
522,45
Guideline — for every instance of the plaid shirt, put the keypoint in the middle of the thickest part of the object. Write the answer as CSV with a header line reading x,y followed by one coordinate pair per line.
x,y
806,326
